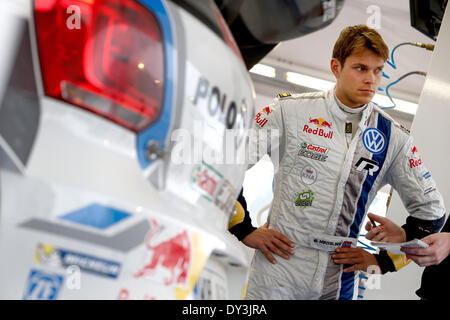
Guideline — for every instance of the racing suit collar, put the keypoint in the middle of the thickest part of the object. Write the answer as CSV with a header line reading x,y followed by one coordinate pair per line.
x,y
349,111
337,112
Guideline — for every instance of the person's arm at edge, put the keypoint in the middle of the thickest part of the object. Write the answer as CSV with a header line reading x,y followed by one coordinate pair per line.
x,y
243,227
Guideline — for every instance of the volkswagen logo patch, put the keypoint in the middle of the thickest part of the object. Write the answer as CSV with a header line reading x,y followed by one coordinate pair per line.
x,y
374,140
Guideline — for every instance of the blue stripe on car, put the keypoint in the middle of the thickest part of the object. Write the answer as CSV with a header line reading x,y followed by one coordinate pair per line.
x,y
347,279
96,216
160,129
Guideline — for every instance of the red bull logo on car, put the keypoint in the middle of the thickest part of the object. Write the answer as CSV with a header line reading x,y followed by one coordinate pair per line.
x,y
319,123
173,255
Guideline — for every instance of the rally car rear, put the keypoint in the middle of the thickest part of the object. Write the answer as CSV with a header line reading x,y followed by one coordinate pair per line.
x,y
107,107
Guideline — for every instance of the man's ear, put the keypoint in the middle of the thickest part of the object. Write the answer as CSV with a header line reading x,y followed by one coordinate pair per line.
x,y
335,66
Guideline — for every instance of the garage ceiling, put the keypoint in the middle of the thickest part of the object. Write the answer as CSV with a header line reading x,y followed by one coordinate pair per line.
x,y
311,54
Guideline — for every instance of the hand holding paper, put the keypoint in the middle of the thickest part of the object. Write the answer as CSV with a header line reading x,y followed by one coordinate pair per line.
x,y
438,250
395,248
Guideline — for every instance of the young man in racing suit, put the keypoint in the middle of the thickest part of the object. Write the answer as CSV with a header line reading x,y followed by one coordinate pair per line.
x,y
336,150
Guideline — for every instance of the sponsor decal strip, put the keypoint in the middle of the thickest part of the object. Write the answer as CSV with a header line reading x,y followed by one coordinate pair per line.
x,y
211,184
205,180
51,256
42,285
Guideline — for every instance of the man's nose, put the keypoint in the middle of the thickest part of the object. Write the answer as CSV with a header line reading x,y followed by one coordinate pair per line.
x,y
369,78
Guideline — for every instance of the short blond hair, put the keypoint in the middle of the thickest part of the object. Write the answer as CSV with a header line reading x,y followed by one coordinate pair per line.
x,y
356,38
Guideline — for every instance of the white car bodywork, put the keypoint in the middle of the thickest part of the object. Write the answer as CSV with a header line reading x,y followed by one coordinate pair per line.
x,y
80,218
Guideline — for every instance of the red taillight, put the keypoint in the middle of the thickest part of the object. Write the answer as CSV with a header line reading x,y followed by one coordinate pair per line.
x,y
105,56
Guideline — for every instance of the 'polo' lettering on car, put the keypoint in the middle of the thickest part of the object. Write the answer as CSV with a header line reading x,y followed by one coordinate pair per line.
x,y
220,108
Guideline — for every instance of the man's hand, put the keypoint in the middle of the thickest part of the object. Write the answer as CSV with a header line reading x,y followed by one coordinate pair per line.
x,y
387,231
438,250
268,240
358,257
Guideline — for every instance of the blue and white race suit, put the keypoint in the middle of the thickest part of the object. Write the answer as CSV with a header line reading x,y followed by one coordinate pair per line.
x,y
324,184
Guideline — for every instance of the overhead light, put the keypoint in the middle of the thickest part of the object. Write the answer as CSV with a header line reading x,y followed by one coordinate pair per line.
x,y
263,70
324,85
309,82
400,105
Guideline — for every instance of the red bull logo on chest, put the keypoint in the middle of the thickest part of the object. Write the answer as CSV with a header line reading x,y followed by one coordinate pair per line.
x,y
319,123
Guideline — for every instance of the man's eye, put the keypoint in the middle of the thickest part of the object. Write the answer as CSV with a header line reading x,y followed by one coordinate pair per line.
x,y
359,68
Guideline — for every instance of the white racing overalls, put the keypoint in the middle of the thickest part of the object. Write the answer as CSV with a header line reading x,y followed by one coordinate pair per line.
x,y
324,184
